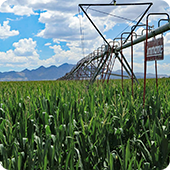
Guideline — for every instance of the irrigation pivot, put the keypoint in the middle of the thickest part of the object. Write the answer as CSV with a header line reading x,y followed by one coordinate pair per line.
x,y
100,63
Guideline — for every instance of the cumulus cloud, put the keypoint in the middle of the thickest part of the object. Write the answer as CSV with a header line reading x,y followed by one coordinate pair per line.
x,y
5,31
74,54
22,10
25,47
59,23
62,23
62,56
47,44
24,54
16,8
60,20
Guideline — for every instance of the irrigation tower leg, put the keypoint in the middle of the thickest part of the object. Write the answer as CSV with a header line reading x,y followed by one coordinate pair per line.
x,y
117,56
132,73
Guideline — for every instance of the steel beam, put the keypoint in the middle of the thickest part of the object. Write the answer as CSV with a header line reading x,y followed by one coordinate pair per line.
x,y
125,4
94,25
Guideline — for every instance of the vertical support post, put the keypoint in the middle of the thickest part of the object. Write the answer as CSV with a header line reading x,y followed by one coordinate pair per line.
x,y
156,74
132,60
91,70
98,52
122,65
145,62
111,65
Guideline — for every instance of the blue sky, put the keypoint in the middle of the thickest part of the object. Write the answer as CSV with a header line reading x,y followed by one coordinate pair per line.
x,y
47,32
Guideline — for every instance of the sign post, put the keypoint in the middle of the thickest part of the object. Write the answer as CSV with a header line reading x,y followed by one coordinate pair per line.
x,y
154,50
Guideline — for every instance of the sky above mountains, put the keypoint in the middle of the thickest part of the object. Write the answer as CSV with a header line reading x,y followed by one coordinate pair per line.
x,y
47,32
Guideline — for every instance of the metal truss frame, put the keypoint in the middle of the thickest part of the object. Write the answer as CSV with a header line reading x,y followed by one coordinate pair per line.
x,y
100,63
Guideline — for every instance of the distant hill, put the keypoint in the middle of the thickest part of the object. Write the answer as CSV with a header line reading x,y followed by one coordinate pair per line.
x,y
41,73
53,73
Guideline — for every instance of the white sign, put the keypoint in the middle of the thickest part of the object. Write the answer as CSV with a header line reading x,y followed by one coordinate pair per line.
x,y
168,2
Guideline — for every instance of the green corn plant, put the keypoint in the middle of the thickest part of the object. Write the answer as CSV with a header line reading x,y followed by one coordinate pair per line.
x,y
64,125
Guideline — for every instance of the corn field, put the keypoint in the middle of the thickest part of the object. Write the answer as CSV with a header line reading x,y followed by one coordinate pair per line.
x,y
63,125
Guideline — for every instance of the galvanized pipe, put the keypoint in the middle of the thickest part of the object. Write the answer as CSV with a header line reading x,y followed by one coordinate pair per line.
x,y
151,34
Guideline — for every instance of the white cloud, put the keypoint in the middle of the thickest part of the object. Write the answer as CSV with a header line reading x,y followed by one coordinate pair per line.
x,y
25,47
5,31
65,26
47,44
61,56
24,55
61,24
73,55
22,10
16,8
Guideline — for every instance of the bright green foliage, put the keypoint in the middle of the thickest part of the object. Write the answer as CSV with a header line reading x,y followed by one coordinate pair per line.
x,y
64,125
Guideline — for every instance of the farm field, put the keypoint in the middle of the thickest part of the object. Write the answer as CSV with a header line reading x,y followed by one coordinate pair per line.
x,y
62,125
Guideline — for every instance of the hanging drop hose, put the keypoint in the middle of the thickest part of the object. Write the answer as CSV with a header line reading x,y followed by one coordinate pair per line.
x,y
81,33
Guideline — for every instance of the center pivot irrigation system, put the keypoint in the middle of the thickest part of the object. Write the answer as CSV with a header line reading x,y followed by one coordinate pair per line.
x,y
99,64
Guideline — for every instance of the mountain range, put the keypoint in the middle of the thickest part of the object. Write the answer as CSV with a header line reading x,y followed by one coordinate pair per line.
x,y
53,73
41,73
